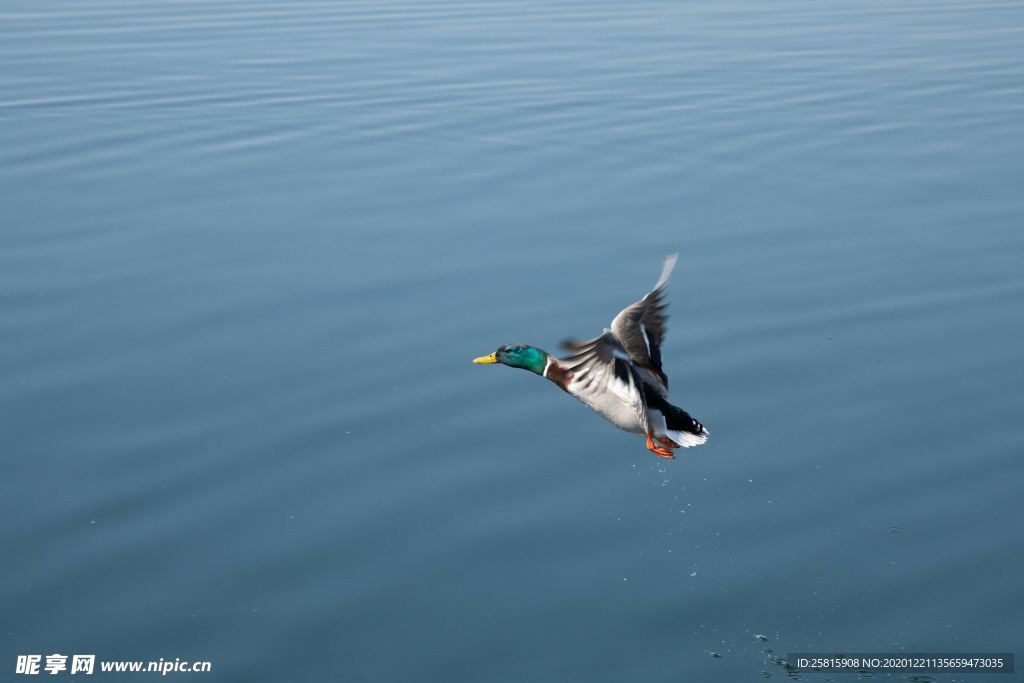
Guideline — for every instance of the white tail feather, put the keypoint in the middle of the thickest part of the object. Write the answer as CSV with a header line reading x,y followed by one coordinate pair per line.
x,y
686,439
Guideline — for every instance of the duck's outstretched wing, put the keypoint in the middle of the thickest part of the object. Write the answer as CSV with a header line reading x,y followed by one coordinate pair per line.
x,y
603,375
640,329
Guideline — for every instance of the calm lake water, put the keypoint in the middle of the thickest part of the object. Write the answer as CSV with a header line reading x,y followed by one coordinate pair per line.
x,y
250,248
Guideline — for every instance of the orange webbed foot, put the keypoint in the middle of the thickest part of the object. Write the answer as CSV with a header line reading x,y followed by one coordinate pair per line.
x,y
664,451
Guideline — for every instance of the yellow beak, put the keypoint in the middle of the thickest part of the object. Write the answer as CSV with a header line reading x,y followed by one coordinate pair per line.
x,y
493,358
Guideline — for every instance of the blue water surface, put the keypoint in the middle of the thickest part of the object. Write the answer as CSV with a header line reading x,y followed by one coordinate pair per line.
x,y
250,248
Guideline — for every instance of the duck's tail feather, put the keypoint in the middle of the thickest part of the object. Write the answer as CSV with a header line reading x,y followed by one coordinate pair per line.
x,y
682,428
687,439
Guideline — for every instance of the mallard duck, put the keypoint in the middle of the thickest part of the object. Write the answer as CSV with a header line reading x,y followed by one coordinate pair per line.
x,y
619,374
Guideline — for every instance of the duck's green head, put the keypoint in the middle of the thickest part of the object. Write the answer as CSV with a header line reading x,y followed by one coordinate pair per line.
x,y
518,356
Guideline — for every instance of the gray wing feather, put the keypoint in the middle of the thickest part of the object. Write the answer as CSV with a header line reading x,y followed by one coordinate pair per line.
x,y
601,363
628,356
640,328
